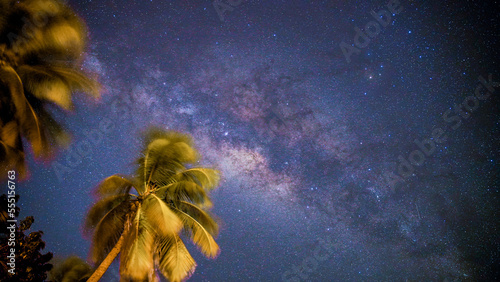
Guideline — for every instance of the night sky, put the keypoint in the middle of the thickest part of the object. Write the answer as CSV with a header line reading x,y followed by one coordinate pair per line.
x,y
378,164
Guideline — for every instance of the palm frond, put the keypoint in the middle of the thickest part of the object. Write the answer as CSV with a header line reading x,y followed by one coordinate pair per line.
x,y
101,208
31,124
202,227
185,191
46,86
158,162
205,177
70,270
164,154
108,231
114,185
10,158
33,131
41,8
164,174
24,113
174,260
78,80
159,215
182,144
66,35
14,86
56,135
56,84
136,260
41,47
9,134
60,36
11,149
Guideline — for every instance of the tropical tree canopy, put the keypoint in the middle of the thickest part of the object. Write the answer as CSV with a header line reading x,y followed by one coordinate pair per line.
x,y
72,269
41,45
147,213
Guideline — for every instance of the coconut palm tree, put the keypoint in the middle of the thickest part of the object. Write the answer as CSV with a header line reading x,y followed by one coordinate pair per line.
x,y
143,216
41,45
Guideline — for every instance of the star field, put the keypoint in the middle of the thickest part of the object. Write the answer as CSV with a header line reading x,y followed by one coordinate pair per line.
x,y
305,140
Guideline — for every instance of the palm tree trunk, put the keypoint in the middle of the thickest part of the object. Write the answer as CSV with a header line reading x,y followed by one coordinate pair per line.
x,y
99,272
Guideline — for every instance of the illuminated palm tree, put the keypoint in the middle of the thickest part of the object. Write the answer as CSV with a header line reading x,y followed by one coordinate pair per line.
x,y
41,42
142,216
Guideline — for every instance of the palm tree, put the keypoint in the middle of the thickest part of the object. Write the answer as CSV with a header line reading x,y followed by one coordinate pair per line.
x,y
41,42
143,216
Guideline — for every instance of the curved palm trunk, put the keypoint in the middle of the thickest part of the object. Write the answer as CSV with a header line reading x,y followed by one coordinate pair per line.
x,y
99,272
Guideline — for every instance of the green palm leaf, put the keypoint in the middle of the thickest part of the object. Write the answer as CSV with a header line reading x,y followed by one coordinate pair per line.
x,y
23,112
55,84
108,230
61,37
185,191
205,177
14,87
158,214
101,208
11,152
164,155
40,64
201,226
72,269
174,260
136,260
114,184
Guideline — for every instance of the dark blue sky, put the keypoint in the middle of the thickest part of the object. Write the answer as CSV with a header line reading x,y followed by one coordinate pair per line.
x,y
307,142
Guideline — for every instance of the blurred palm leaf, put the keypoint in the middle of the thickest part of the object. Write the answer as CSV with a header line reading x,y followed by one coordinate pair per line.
x,y
41,45
72,269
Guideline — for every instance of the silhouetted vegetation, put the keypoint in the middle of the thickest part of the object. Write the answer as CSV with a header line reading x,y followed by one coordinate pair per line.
x,y
30,263
72,269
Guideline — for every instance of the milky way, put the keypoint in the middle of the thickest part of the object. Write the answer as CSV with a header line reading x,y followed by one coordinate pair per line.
x,y
304,139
